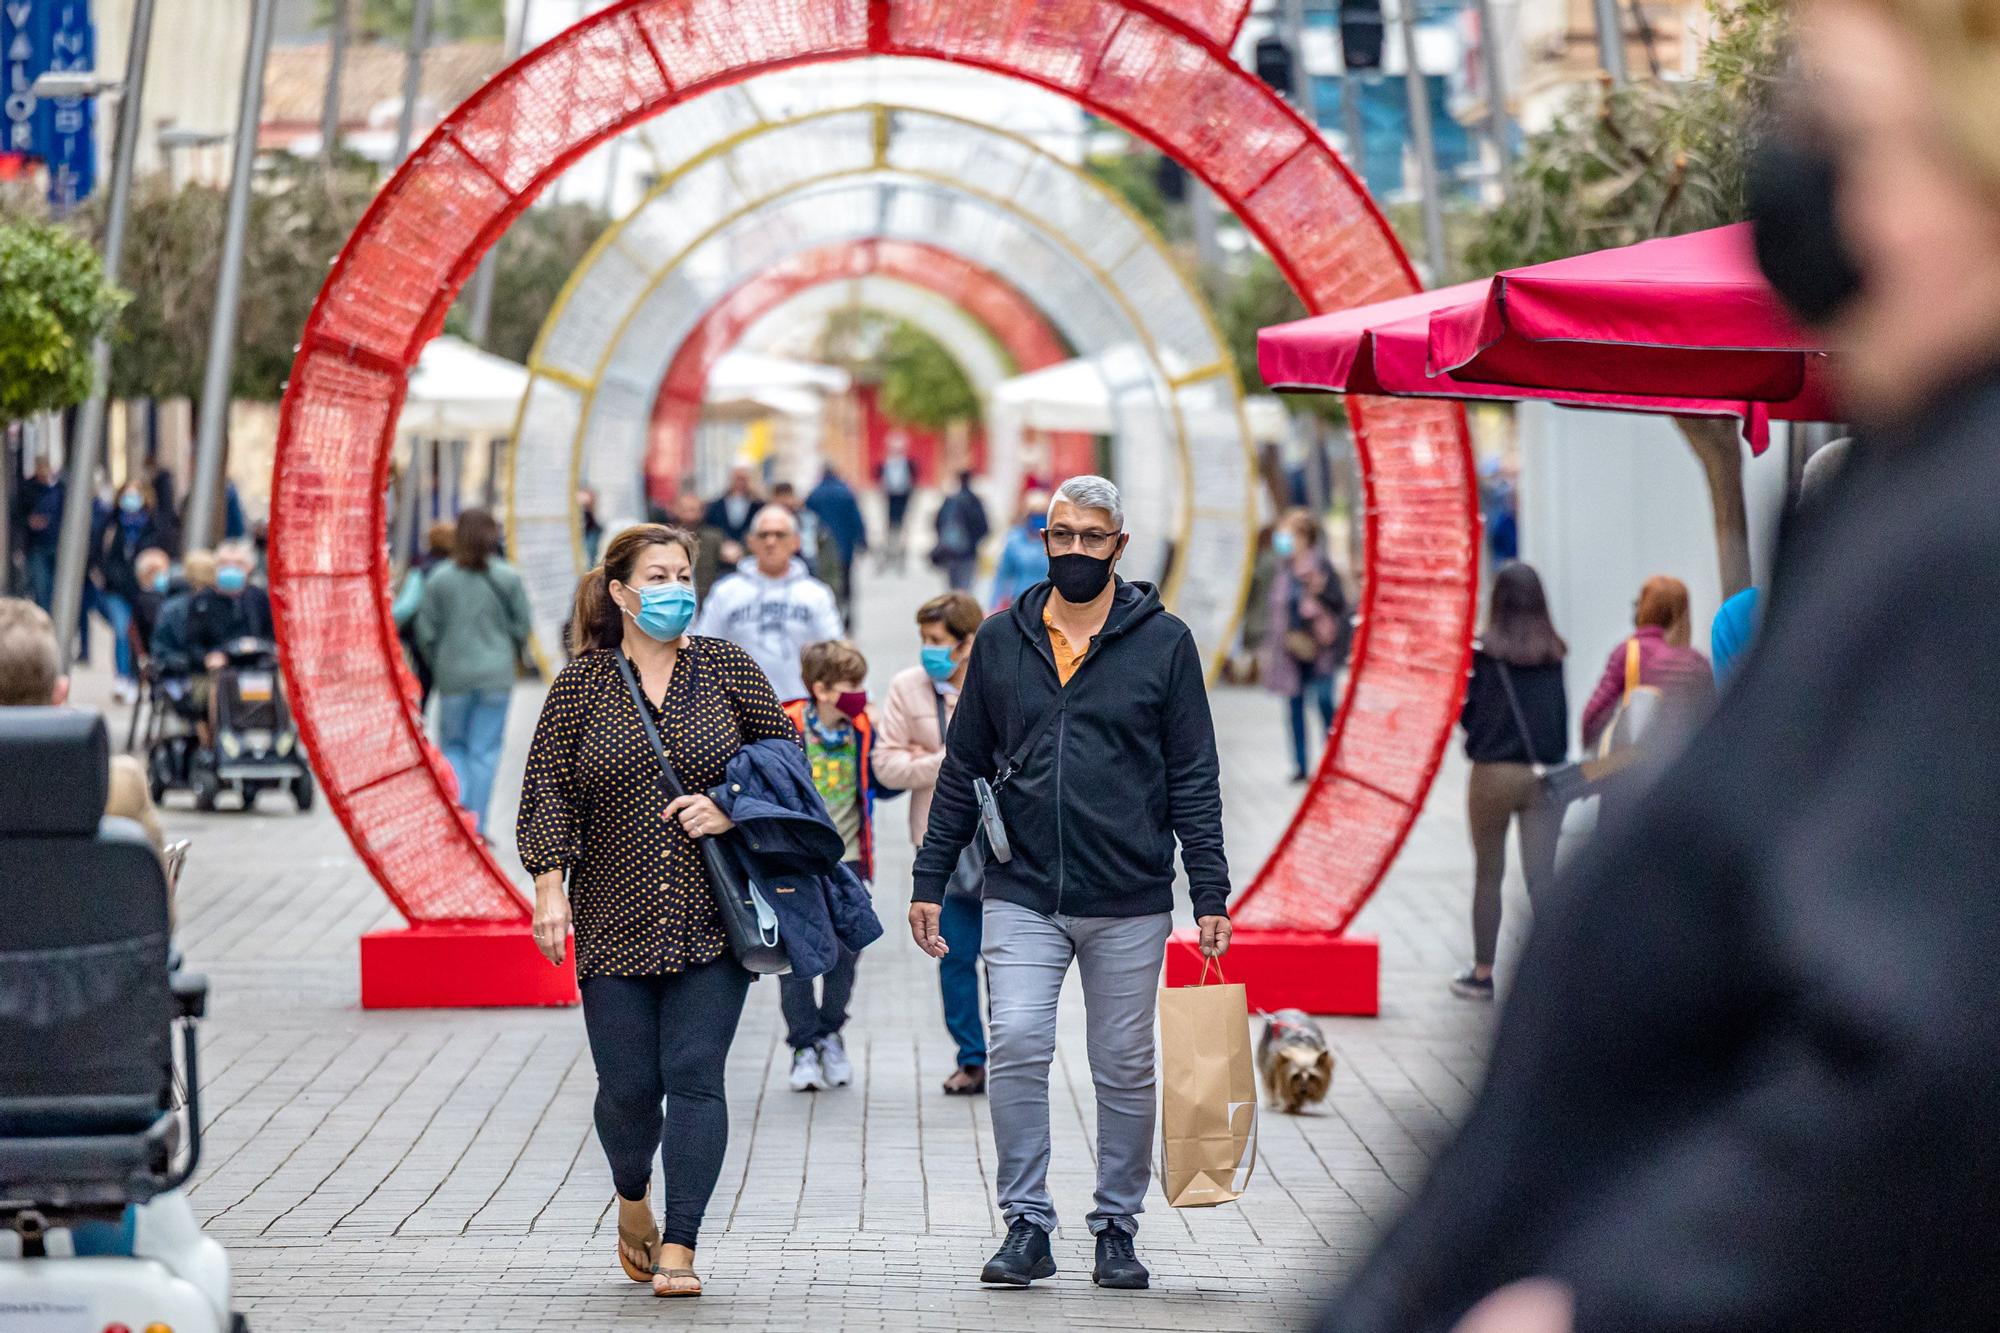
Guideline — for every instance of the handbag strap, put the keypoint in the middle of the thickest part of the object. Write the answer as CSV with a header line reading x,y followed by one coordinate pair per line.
x,y
1514,703
1631,665
669,779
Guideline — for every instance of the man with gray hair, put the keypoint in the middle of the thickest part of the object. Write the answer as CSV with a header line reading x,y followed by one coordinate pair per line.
x,y
1085,714
773,607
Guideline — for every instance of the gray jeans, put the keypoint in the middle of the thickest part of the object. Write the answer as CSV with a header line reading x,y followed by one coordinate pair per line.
x,y
1027,955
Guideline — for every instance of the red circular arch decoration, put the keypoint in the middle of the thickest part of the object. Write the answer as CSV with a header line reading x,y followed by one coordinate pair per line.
x,y
1164,76
1021,329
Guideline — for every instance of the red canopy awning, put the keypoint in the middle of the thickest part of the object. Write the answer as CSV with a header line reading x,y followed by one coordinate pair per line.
x,y
1684,326
1662,317
1383,349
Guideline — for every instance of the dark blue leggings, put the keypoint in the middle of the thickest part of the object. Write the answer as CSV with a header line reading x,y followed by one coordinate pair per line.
x,y
665,1038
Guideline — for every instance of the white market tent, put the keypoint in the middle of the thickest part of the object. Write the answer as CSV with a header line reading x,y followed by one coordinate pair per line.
x,y
459,390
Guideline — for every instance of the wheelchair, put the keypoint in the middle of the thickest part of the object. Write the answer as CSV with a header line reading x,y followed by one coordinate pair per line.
x,y
255,746
100,1122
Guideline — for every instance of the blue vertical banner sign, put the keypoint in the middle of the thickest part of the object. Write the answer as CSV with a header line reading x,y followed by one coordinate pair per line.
x,y
39,36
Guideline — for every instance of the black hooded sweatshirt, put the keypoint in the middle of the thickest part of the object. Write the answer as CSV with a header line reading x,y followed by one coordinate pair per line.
x,y
1125,767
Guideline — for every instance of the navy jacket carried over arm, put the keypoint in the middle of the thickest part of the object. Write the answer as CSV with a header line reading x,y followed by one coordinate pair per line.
x,y
791,845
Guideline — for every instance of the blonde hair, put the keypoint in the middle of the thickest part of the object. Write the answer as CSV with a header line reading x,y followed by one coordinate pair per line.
x,y
199,569
1960,44
29,667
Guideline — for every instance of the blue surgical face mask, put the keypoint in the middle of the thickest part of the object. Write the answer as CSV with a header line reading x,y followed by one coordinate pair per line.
x,y
131,502
160,582
231,579
1282,541
937,660
665,611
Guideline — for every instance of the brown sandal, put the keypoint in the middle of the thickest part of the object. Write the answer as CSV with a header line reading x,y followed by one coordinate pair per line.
x,y
647,1243
670,1274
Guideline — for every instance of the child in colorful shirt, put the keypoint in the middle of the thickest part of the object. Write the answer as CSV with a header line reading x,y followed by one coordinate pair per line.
x,y
839,738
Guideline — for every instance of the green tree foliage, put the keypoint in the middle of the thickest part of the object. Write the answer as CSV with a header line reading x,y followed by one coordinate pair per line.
x,y
299,219
535,259
1254,295
1649,159
1135,176
389,20
922,385
53,303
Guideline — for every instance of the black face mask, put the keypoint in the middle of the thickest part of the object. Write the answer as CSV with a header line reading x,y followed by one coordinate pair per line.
x,y
1792,188
1079,577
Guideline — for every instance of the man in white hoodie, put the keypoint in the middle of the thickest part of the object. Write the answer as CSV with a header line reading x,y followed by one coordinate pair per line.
x,y
773,607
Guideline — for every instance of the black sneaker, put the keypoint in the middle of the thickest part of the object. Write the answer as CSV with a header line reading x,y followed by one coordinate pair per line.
x,y
1468,985
1117,1266
1021,1258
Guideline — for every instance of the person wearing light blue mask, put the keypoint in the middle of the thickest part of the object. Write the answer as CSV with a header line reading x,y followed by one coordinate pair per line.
x,y
909,751
116,587
1024,561
624,879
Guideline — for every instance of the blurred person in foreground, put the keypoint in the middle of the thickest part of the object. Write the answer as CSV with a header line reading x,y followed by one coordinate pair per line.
x,y
1748,1073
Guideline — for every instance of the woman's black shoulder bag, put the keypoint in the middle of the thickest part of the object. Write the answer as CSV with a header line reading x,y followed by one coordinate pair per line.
x,y
748,921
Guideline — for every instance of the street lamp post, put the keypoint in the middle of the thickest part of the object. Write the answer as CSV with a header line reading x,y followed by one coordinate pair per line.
x,y
228,289
1418,97
413,77
73,550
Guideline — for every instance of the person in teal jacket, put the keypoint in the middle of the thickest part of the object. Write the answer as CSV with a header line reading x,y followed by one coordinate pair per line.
x,y
471,625
1023,560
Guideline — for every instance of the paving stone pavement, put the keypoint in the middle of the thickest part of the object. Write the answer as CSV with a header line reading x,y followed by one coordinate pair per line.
x,y
438,1170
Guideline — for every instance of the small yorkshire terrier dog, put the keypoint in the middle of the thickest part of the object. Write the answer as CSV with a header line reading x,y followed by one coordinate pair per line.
x,y
1292,1057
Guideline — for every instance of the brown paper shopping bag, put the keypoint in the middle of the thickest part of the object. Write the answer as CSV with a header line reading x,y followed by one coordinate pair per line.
x,y
1208,1094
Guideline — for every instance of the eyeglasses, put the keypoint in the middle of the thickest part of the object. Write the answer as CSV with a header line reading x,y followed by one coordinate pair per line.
x,y
1092,541
778,535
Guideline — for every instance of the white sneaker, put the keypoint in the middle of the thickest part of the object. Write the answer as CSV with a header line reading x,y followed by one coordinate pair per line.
x,y
833,1061
807,1075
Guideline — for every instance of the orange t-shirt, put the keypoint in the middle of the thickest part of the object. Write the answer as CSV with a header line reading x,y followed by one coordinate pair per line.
x,y
1067,657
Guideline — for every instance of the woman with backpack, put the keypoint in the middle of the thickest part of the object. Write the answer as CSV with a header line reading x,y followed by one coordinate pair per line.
x,y
1516,720
1305,644
1655,656
471,626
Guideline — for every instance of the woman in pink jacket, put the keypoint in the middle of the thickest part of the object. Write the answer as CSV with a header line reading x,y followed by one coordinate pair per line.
x,y
1661,627
909,750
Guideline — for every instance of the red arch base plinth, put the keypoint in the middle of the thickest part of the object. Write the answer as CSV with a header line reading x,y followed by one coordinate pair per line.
x,y
471,966
1319,971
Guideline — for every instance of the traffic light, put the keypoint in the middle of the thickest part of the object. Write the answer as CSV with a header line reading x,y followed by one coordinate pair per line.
x,y
1361,34
1274,63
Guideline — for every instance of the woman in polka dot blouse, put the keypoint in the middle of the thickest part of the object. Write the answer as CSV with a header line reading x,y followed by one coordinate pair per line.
x,y
661,992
